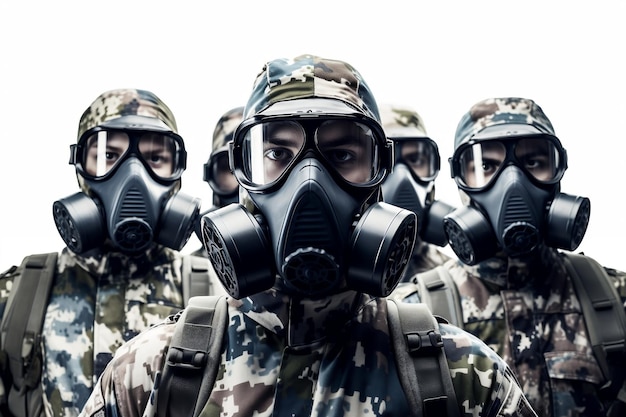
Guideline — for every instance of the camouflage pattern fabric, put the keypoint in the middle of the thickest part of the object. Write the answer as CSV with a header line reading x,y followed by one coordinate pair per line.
x,y
401,121
309,76
425,257
225,127
498,111
288,357
529,314
96,304
125,102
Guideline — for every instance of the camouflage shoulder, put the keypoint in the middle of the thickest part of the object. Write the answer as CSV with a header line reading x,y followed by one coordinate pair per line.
x,y
125,385
483,382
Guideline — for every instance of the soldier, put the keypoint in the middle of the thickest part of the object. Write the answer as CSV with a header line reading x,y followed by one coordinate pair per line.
x,y
307,319
411,185
121,270
514,237
217,172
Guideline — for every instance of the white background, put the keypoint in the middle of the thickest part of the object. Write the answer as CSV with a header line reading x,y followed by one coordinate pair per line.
x,y
201,58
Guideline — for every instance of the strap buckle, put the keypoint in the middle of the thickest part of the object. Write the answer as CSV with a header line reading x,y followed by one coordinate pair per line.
x,y
430,341
183,358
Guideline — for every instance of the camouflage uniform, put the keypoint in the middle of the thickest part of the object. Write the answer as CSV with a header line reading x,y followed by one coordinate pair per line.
x,y
102,298
527,309
286,354
97,303
425,256
529,314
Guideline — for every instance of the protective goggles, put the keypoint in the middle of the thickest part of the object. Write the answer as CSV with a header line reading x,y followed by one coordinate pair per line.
x,y
100,151
354,149
476,164
217,173
421,155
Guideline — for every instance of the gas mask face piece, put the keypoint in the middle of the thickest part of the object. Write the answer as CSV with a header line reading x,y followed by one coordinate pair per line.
x,y
310,181
411,186
131,178
514,205
221,180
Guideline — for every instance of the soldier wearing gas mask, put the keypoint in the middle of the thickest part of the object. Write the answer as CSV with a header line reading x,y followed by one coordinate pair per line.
x,y
411,184
129,160
305,259
217,173
508,166
515,288
121,271
311,236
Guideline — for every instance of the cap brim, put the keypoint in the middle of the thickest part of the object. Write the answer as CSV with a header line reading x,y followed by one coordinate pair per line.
x,y
312,106
136,122
505,130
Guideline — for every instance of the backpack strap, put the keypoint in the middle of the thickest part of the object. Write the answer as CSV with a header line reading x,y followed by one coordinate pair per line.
x,y
21,330
438,291
198,277
193,357
604,317
421,360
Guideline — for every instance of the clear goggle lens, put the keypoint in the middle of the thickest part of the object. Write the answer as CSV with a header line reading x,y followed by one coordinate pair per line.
x,y
420,155
270,148
220,177
476,165
99,153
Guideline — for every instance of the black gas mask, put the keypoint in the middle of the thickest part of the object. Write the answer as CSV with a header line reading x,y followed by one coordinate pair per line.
x,y
223,184
317,222
221,180
130,180
515,204
411,185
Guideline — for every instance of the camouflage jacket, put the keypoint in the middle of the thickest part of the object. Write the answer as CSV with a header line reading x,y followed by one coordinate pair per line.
x,y
96,304
529,314
298,357
425,256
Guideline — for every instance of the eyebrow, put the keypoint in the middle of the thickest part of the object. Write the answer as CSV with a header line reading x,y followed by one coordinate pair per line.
x,y
109,147
345,140
535,153
277,140
158,147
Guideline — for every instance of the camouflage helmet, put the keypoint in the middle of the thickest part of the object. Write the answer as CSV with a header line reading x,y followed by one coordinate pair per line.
x,y
309,76
226,126
502,117
401,121
140,109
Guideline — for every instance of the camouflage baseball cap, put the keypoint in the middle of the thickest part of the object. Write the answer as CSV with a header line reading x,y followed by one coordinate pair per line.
x,y
401,121
226,126
511,116
114,104
309,76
